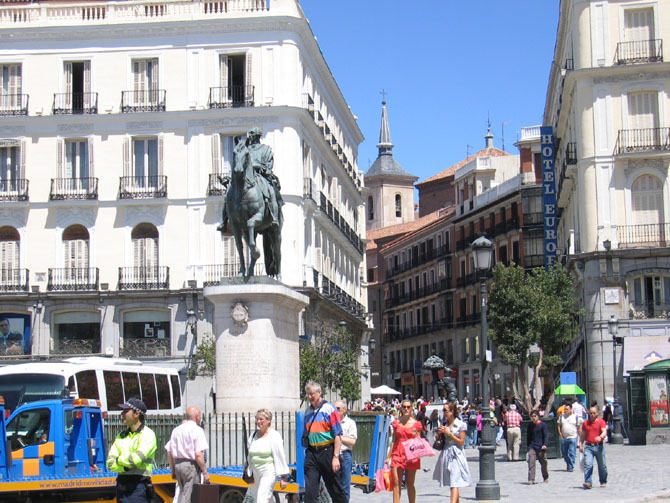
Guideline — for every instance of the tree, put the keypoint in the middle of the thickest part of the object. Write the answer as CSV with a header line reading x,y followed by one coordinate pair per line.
x,y
532,311
203,361
330,358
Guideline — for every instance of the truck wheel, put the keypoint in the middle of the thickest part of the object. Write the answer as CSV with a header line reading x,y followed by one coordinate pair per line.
x,y
231,495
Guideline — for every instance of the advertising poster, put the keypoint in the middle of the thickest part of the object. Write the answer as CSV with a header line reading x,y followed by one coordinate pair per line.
x,y
14,334
658,400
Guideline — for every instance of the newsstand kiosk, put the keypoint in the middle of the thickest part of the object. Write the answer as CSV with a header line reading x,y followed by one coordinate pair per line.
x,y
648,421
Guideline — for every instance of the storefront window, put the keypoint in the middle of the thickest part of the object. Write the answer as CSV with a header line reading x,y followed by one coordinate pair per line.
x,y
145,333
76,333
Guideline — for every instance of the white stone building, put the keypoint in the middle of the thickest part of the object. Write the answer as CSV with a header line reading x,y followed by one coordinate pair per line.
x,y
115,119
608,100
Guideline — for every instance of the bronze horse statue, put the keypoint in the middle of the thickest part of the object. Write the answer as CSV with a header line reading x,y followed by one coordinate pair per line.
x,y
248,213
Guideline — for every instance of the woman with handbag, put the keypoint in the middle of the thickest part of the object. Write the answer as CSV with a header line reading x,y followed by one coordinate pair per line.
x,y
451,467
404,428
266,460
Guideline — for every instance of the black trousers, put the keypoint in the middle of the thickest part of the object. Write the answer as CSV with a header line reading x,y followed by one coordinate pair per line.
x,y
317,465
131,489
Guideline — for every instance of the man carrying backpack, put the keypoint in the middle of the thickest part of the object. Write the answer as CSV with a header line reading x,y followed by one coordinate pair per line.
x,y
471,421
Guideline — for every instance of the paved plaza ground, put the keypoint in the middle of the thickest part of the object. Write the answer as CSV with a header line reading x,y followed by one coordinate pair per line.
x,y
636,474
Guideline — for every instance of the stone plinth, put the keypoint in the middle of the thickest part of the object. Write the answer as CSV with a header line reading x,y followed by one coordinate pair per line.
x,y
257,359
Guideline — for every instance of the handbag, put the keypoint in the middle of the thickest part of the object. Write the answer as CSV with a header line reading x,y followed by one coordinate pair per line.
x,y
416,448
205,493
379,481
388,478
246,476
438,445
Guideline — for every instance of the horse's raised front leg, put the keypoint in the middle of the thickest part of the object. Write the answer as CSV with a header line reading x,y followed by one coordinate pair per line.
x,y
254,221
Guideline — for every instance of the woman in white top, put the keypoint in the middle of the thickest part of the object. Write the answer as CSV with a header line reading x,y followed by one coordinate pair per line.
x,y
267,459
451,467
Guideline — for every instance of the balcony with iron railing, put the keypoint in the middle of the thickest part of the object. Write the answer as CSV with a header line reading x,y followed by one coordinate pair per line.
x,y
142,187
14,190
152,100
639,51
630,141
231,97
214,186
144,278
13,104
76,345
131,347
643,235
72,279
649,310
334,293
75,103
14,280
334,216
73,188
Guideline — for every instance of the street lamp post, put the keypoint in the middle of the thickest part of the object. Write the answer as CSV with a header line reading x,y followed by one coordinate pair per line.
x,y
617,437
487,488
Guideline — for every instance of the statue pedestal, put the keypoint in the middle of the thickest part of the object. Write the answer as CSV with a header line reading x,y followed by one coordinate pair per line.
x,y
257,359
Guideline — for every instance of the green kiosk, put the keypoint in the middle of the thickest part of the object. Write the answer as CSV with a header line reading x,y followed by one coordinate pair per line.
x,y
648,404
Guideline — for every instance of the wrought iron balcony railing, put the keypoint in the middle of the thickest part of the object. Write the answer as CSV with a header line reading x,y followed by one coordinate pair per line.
x,y
73,279
215,187
213,273
639,51
75,103
144,278
149,347
143,187
90,346
143,101
73,188
13,104
643,235
643,140
646,310
14,190
14,280
231,97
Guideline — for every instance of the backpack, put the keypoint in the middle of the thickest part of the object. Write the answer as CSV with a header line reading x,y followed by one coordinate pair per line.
x,y
472,418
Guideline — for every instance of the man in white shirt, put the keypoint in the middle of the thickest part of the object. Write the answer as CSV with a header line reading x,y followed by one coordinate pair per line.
x,y
568,431
578,409
349,437
186,454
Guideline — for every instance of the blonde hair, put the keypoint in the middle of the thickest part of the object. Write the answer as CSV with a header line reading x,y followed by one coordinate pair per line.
x,y
411,408
265,413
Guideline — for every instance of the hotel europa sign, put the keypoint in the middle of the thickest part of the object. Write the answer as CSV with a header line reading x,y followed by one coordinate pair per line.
x,y
549,207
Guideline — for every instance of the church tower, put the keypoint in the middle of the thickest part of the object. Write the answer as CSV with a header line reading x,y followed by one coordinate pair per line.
x,y
390,198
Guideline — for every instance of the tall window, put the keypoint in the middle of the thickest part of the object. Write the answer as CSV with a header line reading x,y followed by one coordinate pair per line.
x,y
235,78
371,208
9,253
76,332
77,85
145,161
398,206
10,96
222,153
75,250
145,250
145,81
647,198
638,25
10,165
643,110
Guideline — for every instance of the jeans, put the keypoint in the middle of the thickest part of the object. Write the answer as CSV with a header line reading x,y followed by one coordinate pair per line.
x,y
345,472
471,436
598,452
499,434
568,451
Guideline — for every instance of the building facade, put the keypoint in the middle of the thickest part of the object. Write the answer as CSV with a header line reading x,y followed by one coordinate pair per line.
x,y
116,121
608,103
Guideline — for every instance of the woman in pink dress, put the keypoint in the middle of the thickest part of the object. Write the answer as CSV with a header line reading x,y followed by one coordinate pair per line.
x,y
404,428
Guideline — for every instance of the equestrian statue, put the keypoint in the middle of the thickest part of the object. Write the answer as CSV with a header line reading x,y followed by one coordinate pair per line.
x,y
253,204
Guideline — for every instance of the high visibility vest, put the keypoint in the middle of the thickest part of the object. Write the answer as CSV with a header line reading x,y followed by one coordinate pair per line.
x,y
133,452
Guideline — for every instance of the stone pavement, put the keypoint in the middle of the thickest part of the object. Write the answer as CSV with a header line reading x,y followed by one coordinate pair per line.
x,y
636,474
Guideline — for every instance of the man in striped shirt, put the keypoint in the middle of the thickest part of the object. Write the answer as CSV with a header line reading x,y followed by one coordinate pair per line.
x,y
322,437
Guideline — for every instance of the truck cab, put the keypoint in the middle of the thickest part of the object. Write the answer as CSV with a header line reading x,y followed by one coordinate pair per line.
x,y
52,438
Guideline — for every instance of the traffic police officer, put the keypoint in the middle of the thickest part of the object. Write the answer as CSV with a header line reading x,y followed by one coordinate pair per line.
x,y
132,455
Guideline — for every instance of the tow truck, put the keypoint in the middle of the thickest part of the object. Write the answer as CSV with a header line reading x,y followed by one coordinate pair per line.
x,y
55,451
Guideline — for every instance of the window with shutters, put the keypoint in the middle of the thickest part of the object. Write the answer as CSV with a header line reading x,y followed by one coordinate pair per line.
x,y
235,84
75,170
143,159
222,161
649,297
12,101
146,95
639,44
9,256
647,213
13,185
643,110
643,132
76,97
145,250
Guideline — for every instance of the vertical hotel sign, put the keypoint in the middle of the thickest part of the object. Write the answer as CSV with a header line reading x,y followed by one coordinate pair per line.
x,y
549,206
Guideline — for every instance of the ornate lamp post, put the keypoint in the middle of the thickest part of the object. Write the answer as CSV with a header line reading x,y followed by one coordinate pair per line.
x,y
487,488
613,327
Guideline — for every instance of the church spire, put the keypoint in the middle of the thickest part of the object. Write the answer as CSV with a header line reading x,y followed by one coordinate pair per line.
x,y
385,146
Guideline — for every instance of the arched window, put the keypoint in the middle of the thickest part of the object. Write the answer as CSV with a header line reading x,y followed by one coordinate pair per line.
x,y
75,257
145,251
371,209
398,206
647,197
9,256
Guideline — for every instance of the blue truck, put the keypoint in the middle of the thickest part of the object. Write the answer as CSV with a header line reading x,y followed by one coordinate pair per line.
x,y
55,451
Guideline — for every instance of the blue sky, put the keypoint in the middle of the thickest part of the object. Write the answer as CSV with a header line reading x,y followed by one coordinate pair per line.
x,y
447,65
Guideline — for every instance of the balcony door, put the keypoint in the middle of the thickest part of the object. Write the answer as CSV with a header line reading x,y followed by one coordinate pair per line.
x,y
647,199
639,33
9,168
77,85
145,252
145,81
9,255
235,78
11,86
145,162
75,255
